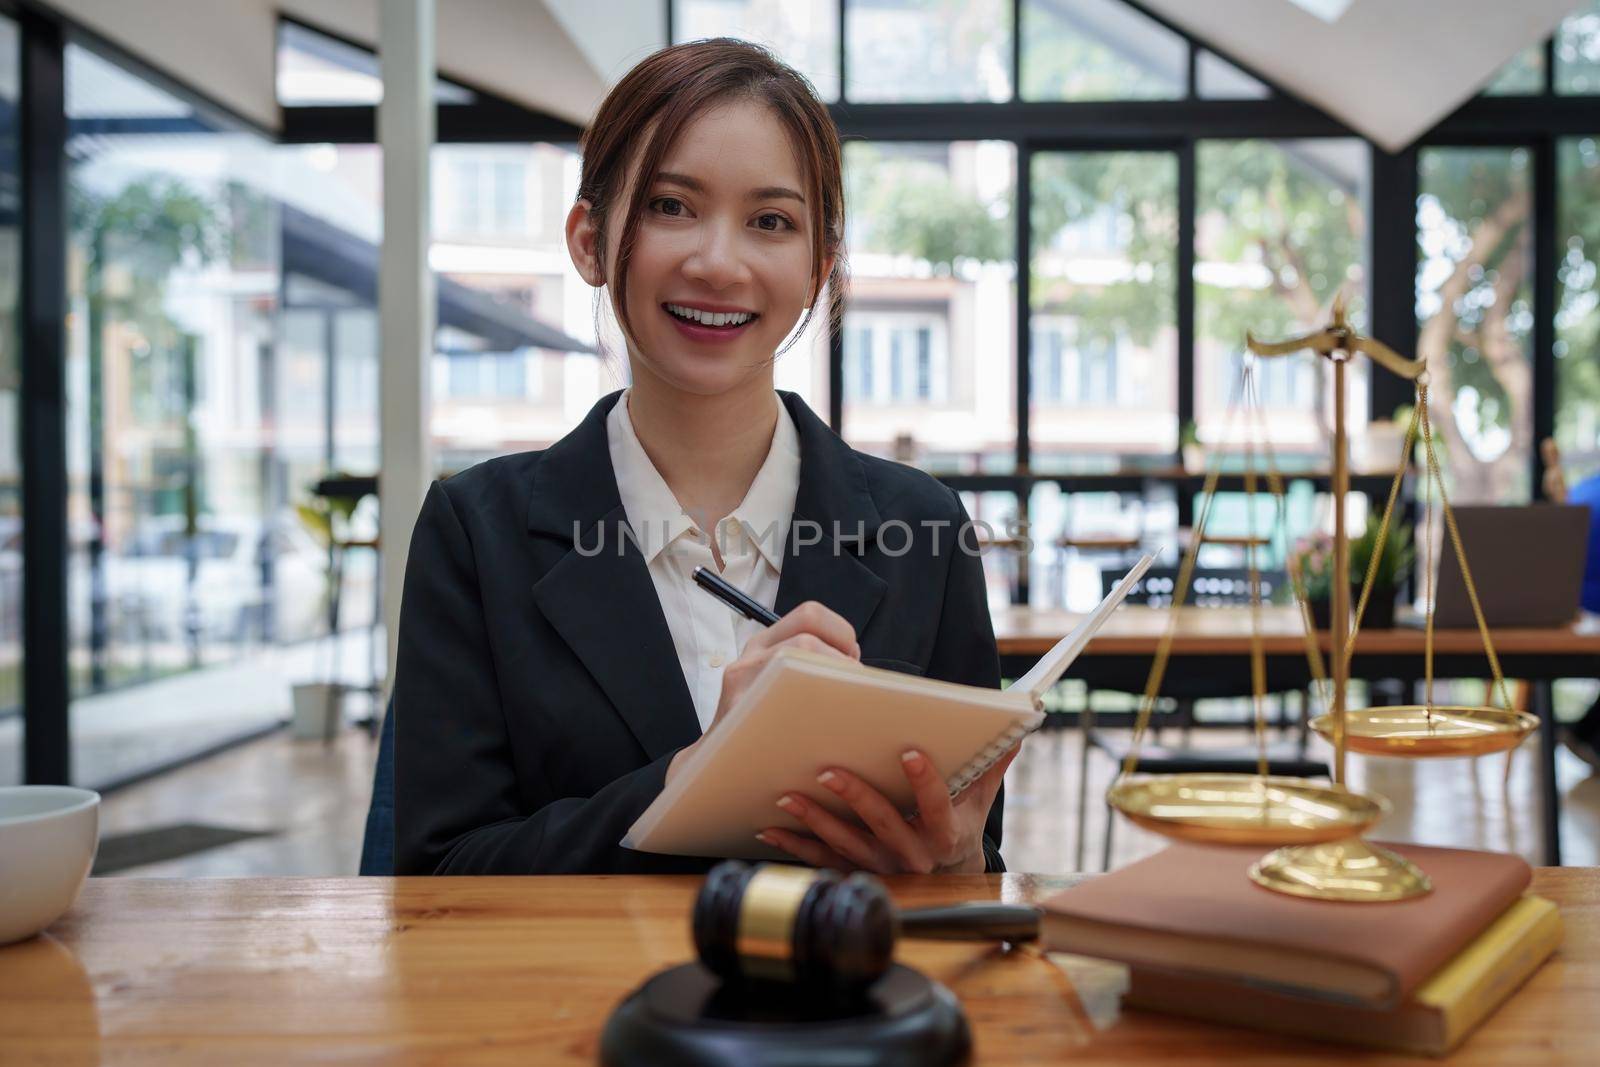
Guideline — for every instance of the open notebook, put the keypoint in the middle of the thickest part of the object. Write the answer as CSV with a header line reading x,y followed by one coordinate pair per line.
x,y
806,712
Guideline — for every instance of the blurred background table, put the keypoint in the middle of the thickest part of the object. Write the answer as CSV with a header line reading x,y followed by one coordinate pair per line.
x,y
1216,641
526,970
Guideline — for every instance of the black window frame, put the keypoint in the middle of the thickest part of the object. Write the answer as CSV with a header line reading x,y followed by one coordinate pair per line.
x,y
1537,121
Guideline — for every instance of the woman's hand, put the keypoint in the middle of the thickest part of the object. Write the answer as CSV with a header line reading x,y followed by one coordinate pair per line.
x,y
943,837
810,626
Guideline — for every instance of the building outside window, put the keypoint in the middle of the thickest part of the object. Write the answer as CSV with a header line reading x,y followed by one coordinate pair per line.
x,y
489,191
1104,307
1069,371
929,343
898,357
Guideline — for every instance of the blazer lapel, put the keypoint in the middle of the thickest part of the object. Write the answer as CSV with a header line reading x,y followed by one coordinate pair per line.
x,y
599,596
834,520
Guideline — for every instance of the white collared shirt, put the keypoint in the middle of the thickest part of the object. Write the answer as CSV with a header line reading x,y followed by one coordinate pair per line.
x,y
707,634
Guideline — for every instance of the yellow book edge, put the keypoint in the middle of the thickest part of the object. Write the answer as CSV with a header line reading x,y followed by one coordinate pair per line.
x,y
1480,977
1437,1017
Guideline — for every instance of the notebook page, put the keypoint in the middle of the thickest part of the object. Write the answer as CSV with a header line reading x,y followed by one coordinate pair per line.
x,y
1054,663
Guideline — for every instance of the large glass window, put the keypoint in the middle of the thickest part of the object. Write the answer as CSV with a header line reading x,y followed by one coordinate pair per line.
x,y
1577,347
1522,76
929,350
1475,314
925,50
185,553
1578,52
803,33
1280,228
1103,336
498,235
1099,50
223,356
328,331
1217,79
315,69
10,388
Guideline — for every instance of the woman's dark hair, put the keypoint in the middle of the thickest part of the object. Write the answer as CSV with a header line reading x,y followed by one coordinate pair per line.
x,y
663,94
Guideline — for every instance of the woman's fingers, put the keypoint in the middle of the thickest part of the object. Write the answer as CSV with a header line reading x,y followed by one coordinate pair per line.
x,y
737,676
944,836
882,818
742,671
810,626
809,643
934,810
804,849
816,619
854,845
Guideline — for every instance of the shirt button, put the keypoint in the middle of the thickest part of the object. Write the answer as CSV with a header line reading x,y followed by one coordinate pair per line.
x,y
715,659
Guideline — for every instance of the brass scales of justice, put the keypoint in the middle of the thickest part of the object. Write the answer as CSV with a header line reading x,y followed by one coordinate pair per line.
x,y
1315,830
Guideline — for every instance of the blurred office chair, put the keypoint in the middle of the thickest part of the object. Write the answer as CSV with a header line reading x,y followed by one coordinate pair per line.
x,y
1114,543
1582,738
377,844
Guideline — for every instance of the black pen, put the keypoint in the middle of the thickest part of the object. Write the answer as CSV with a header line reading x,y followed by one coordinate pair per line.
x,y
733,596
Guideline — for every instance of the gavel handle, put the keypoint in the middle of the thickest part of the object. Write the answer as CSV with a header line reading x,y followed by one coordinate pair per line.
x,y
972,922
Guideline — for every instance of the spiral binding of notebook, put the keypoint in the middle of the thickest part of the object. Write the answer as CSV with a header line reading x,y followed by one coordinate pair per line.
x,y
987,757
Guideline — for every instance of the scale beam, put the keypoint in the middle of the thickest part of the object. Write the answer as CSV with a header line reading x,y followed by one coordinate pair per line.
x,y
1338,337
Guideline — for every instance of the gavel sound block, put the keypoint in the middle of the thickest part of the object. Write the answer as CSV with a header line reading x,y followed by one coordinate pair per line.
x,y
796,967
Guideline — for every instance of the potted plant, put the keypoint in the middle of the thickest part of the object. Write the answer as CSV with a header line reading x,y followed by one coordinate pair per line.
x,y
1189,448
1393,564
318,704
1311,567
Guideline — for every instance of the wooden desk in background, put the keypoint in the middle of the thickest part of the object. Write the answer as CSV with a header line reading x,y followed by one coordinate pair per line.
x,y
1217,641
523,971
1134,479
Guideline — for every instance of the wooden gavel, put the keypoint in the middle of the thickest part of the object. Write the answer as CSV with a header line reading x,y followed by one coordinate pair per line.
x,y
826,933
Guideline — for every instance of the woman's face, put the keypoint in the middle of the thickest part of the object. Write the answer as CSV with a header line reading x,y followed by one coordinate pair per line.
x,y
725,231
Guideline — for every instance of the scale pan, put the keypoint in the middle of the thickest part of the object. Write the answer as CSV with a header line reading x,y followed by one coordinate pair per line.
x,y
1410,730
1244,809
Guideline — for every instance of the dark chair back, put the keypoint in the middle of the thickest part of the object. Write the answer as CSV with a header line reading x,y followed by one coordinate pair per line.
x,y
1208,587
377,844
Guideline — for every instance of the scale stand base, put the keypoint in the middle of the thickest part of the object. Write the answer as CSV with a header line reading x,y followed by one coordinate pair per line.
x,y
1349,870
686,1016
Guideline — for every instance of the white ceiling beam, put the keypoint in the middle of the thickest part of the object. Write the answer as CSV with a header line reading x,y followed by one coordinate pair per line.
x,y
513,48
225,51
517,49
1389,69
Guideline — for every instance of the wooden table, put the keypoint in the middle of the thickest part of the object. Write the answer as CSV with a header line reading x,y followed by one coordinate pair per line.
x,y
1217,641
525,970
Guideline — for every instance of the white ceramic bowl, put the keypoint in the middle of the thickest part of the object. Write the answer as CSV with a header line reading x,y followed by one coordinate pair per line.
x,y
48,837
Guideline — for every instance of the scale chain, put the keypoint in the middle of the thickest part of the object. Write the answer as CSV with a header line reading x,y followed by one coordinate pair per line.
x,y
1461,558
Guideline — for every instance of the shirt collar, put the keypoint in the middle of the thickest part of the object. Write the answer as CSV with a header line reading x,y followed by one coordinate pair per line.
x,y
658,519
653,512
768,505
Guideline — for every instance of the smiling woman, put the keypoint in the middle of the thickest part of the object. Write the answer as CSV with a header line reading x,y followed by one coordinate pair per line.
x,y
699,219
532,730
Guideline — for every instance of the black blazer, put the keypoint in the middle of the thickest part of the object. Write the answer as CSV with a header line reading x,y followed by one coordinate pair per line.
x,y
538,693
